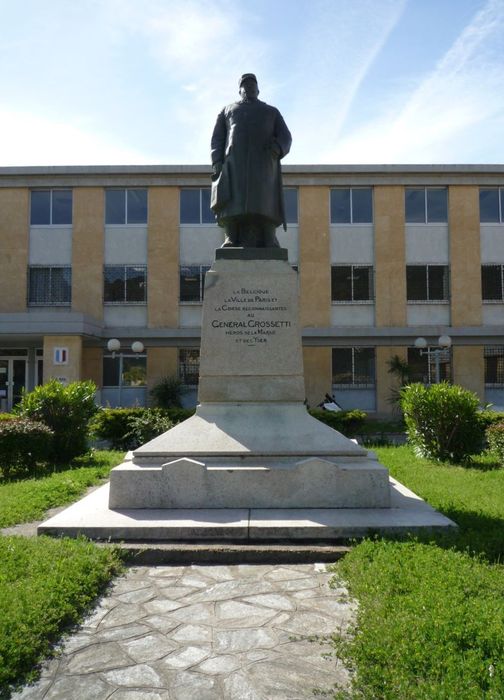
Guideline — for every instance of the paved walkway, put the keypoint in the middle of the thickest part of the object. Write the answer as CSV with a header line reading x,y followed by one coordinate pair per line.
x,y
241,632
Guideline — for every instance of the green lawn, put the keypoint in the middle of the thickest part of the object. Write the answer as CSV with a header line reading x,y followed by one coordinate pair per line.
x,y
46,584
431,613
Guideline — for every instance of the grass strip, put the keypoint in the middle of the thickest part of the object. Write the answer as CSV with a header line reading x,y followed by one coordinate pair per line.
x,y
26,500
45,586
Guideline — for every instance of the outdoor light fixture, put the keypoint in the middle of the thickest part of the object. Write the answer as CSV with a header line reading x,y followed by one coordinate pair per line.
x,y
114,345
444,342
137,347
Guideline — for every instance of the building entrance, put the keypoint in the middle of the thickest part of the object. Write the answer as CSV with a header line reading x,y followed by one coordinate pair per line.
x,y
13,377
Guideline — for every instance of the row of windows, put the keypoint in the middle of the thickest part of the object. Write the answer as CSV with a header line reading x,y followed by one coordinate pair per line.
x,y
353,367
349,283
352,205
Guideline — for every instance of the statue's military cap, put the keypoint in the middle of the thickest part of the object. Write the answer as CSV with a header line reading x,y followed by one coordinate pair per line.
x,y
245,77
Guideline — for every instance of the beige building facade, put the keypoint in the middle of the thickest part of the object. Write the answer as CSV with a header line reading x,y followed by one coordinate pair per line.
x,y
385,255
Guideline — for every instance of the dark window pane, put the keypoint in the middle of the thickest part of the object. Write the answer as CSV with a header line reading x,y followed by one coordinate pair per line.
x,y
62,206
39,285
489,206
134,371
437,205
111,371
362,283
416,282
364,365
113,289
60,292
494,364
341,283
491,282
190,284
207,215
502,204
415,205
438,282
342,366
137,206
189,366
136,286
419,366
362,206
340,206
190,206
291,205
115,210
40,208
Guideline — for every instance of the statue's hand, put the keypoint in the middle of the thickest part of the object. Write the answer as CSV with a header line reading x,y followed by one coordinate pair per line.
x,y
216,169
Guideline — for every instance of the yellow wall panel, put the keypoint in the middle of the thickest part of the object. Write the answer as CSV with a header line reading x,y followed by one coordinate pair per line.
x,y
163,257
14,237
390,256
88,250
318,373
465,256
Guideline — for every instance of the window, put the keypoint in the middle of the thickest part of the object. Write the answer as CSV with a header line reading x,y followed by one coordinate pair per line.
x,y
352,205
422,365
492,282
351,283
427,282
189,366
49,286
491,205
291,205
353,367
192,282
125,284
126,206
426,205
51,208
124,370
494,365
195,206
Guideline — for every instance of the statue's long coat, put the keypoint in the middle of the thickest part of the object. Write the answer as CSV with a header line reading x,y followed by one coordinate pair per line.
x,y
242,140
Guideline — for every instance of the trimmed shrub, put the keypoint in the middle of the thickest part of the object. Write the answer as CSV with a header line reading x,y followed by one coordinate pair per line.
x,y
116,424
145,427
167,393
495,440
442,421
23,444
7,416
349,423
67,410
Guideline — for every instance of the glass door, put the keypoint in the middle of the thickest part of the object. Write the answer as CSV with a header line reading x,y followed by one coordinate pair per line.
x,y
12,381
4,386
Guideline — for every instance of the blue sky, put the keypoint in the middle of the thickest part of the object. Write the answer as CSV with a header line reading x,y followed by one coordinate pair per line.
x,y
357,81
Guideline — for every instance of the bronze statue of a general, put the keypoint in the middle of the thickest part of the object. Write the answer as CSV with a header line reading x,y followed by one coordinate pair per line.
x,y
249,139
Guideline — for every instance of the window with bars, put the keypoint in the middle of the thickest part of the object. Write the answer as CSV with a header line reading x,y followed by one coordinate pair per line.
x,y
195,206
352,205
188,364
125,284
192,283
353,367
49,286
491,201
492,282
422,364
426,205
494,365
124,370
126,206
428,283
351,283
51,208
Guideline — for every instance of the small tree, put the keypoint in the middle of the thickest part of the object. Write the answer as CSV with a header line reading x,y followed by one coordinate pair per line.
x,y
401,370
167,393
67,410
442,421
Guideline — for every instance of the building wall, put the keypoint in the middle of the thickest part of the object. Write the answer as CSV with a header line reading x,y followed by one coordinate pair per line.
x,y
161,363
72,371
14,217
88,250
163,257
469,368
318,373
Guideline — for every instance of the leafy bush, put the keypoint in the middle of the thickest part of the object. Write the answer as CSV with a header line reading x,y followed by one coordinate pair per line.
x,y
146,426
115,424
495,440
7,416
347,422
67,410
442,421
23,444
167,393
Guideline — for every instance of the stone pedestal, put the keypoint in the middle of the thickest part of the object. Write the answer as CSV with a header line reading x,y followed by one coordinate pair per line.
x,y
251,444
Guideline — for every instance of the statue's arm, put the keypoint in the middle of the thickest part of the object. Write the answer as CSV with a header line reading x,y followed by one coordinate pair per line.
x,y
218,143
282,135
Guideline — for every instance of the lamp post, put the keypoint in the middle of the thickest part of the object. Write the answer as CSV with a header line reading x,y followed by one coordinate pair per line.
x,y
113,346
444,342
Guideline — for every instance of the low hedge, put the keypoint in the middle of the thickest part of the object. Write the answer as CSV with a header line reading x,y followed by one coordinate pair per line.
x,y
350,423
495,440
120,426
24,444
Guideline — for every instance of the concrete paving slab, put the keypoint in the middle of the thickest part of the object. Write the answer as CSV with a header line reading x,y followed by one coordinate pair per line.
x,y
92,517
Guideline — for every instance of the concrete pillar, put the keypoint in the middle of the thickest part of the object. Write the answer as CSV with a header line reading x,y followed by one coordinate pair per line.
x,y
163,257
469,368
465,256
390,256
318,373
69,372
92,365
14,235
386,383
88,250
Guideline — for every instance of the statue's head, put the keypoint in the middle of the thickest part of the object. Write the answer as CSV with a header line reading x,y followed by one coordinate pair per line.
x,y
248,86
